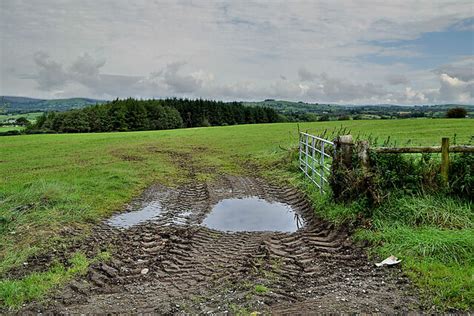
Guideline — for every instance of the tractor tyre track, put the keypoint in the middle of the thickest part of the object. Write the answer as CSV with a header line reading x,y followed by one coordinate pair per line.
x,y
172,265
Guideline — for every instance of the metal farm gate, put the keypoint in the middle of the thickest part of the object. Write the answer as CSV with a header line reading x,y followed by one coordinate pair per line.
x,y
315,156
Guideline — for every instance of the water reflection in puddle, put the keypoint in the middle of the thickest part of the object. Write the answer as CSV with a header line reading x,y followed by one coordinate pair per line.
x,y
127,220
252,214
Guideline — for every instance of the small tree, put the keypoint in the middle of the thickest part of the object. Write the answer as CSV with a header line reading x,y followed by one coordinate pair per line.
x,y
324,118
22,121
456,113
344,118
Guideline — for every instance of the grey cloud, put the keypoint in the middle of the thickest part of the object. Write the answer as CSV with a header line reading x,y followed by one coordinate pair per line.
x,y
118,85
237,91
396,79
50,73
306,75
86,65
175,79
345,90
463,69
180,83
85,70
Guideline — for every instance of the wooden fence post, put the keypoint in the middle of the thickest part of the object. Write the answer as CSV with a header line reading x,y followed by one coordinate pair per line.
x,y
445,160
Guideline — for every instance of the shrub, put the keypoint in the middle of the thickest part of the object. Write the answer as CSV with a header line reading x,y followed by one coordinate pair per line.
x,y
461,175
408,173
405,174
10,133
456,113
344,118
22,121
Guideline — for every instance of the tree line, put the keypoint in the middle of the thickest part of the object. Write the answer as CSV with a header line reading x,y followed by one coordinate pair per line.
x,y
139,115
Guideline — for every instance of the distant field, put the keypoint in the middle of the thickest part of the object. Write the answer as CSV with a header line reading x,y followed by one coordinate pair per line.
x,y
48,182
29,116
10,128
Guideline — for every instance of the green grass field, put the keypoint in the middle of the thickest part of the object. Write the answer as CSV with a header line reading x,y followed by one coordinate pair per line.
x,y
10,128
29,116
48,182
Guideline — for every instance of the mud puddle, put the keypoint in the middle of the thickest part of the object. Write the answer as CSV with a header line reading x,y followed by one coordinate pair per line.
x,y
252,214
126,220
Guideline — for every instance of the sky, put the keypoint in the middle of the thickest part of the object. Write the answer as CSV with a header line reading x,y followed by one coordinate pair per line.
x,y
335,51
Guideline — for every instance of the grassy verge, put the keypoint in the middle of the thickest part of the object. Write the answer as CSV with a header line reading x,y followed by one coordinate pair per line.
x,y
13,293
433,235
49,182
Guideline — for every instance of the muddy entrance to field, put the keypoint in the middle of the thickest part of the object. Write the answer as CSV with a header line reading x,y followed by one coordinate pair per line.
x,y
252,214
178,262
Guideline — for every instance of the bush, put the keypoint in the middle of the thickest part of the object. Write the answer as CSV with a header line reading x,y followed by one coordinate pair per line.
x,y
461,175
344,118
10,133
408,173
456,113
22,121
403,174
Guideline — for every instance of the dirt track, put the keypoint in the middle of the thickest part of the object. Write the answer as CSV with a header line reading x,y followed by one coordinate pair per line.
x,y
193,269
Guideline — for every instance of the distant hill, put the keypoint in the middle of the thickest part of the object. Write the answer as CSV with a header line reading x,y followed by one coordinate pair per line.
x,y
286,107
363,111
301,110
9,104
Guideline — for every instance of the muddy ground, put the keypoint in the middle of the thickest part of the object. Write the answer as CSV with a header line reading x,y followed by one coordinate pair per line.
x,y
175,266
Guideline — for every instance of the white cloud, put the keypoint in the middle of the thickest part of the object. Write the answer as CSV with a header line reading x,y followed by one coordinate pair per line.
x,y
454,89
462,69
414,96
180,83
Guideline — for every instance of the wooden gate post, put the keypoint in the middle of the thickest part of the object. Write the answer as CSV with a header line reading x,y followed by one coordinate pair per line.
x,y
445,160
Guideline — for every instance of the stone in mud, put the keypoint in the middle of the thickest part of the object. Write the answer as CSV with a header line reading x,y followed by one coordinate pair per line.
x,y
144,271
